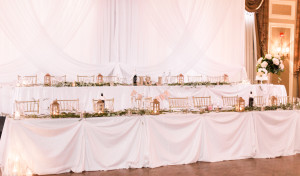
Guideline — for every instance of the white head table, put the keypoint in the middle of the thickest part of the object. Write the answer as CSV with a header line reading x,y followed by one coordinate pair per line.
x,y
52,146
122,94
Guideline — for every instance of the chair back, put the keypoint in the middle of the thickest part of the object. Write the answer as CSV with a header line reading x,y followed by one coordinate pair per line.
x,y
196,79
215,79
86,79
147,103
27,80
200,102
284,100
259,101
58,79
137,101
230,101
178,103
108,79
68,105
27,107
172,79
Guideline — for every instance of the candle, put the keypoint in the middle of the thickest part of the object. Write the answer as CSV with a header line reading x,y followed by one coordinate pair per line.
x,y
17,115
28,172
15,169
73,84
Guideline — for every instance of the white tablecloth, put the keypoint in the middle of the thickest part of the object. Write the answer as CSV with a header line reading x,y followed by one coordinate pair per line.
x,y
122,97
51,146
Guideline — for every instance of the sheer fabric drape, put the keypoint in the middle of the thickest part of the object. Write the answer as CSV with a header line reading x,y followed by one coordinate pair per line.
x,y
121,37
250,52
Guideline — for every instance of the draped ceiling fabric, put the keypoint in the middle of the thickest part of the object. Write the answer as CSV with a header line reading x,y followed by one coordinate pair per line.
x,y
111,37
253,5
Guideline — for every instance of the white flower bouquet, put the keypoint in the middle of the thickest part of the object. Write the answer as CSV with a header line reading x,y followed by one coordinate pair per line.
x,y
269,64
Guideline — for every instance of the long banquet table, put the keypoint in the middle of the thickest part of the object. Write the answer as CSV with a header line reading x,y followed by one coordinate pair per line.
x,y
52,146
122,94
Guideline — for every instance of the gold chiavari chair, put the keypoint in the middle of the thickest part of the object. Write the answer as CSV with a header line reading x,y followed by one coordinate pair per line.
x,y
284,100
215,79
86,79
147,103
109,104
195,79
27,80
201,102
179,103
27,107
137,101
259,101
68,105
296,100
172,79
109,79
229,101
58,79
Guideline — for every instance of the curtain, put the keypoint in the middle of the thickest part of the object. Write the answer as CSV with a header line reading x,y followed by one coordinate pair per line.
x,y
111,37
250,52
262,28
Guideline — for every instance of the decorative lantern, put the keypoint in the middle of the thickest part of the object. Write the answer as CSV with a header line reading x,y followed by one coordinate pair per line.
x,y
141,81
226,78
240,106
148,81
54,108
155,107
159,83
180,79
99,78
47,80
100,106
274,101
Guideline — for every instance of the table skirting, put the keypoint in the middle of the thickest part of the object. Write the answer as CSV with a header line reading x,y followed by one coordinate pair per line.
x,y
122,94
52,146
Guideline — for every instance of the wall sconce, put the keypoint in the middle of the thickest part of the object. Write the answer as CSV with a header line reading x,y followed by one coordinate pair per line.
x,y
281,50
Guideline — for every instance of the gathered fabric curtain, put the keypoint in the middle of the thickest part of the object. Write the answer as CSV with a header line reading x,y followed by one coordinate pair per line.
x,y
111,37
251,47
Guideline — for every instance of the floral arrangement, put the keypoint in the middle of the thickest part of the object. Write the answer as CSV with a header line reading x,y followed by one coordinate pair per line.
x,y
269,64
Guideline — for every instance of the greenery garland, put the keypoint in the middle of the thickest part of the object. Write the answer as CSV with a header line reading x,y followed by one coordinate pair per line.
x,y
142,112
84,84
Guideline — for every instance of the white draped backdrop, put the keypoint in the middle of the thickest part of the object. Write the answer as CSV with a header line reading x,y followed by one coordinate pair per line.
x,y
112,37
250,41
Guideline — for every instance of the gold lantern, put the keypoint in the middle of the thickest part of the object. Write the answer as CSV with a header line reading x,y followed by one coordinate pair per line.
x,y
240,106
100,106
180,79
99,78
54,108
47,80
155,107
274,101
